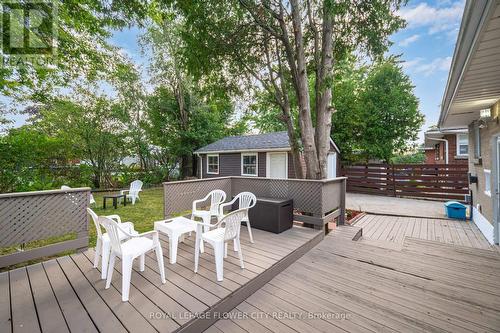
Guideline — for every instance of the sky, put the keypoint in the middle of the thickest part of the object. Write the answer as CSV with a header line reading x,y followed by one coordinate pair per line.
x,y
426,47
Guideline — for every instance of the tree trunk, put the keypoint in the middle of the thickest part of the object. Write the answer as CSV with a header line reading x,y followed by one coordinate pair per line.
x,y
186,166
324,96
302,88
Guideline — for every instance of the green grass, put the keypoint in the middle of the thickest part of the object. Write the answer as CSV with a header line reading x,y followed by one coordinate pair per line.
x,y
143,214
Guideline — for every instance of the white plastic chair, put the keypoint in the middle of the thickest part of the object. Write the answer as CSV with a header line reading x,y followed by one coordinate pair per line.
x,y
66,187
217,197
133,192
227,229
246,200
135,246
103,245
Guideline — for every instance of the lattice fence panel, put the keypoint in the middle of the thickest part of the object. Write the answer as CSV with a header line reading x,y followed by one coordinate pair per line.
x,y
306,195
179,196
39,215
333,193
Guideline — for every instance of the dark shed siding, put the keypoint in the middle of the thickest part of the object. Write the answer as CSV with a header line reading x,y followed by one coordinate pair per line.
x,y
262,164
229,165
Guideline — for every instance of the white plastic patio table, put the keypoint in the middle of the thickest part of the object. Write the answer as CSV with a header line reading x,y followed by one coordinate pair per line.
x,y
175,228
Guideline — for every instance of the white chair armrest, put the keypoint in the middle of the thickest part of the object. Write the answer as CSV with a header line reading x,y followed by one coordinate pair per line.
x,y
115,217
126,230
124,191
224,205
197,202
153,234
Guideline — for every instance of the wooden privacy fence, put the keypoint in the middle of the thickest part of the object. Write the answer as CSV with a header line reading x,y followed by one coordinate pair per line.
x,y
39,215
315,201
438,181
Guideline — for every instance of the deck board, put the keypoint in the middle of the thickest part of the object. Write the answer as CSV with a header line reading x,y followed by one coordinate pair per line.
x,y
24,316
378,229
67,293
50,315
426,286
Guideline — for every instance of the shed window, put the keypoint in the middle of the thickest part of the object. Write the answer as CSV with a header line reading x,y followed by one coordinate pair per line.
x,y
213,164
249,164
462,144
437,151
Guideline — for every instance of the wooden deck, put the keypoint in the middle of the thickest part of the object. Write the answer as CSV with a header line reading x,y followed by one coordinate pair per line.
x,y
390,231
343,285
67,294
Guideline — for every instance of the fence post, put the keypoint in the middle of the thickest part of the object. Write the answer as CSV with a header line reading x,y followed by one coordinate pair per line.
x,y
342,202
393,181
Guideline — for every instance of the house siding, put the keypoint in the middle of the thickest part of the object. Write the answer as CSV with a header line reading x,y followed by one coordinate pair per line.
x,y
430,155
477,167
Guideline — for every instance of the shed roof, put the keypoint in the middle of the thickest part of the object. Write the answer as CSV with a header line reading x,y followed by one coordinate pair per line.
x,y
276,140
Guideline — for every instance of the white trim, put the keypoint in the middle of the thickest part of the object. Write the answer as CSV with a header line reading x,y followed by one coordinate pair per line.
x,y
218,164
260,150
483,225
268,163
457,139
256,164
334,145
487,178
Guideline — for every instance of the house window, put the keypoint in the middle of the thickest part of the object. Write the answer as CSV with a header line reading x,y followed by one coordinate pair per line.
x,y
462,144
249,164
213,164
487,182
436,151
477,142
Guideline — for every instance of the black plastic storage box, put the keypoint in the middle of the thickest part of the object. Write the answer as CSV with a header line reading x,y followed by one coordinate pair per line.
x,y
274,215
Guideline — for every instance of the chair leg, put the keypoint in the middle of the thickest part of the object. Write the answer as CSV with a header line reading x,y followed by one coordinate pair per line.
x,y
225,250
142,262
197,251
219,260
126,275
249,231
110,268
106,250
173,243
161,265
240,254
98,250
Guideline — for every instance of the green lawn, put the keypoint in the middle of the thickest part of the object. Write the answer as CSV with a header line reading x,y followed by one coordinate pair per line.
x,y
143,214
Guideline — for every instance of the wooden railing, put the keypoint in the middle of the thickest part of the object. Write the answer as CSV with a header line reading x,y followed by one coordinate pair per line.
x,y
315,202
27,217
438,181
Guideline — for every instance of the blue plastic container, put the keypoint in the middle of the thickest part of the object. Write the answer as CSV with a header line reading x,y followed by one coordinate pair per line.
x,y
455,210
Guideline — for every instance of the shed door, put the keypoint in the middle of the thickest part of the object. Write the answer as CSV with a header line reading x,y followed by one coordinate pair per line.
x,y
332,165
277,167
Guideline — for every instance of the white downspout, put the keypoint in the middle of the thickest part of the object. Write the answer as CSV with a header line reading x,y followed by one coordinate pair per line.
x,y
445,148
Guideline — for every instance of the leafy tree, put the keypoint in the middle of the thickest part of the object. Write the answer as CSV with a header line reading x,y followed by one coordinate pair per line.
x,y
81,49
279,44
31,160
409,158
180,119
353,122
389,110
93,126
